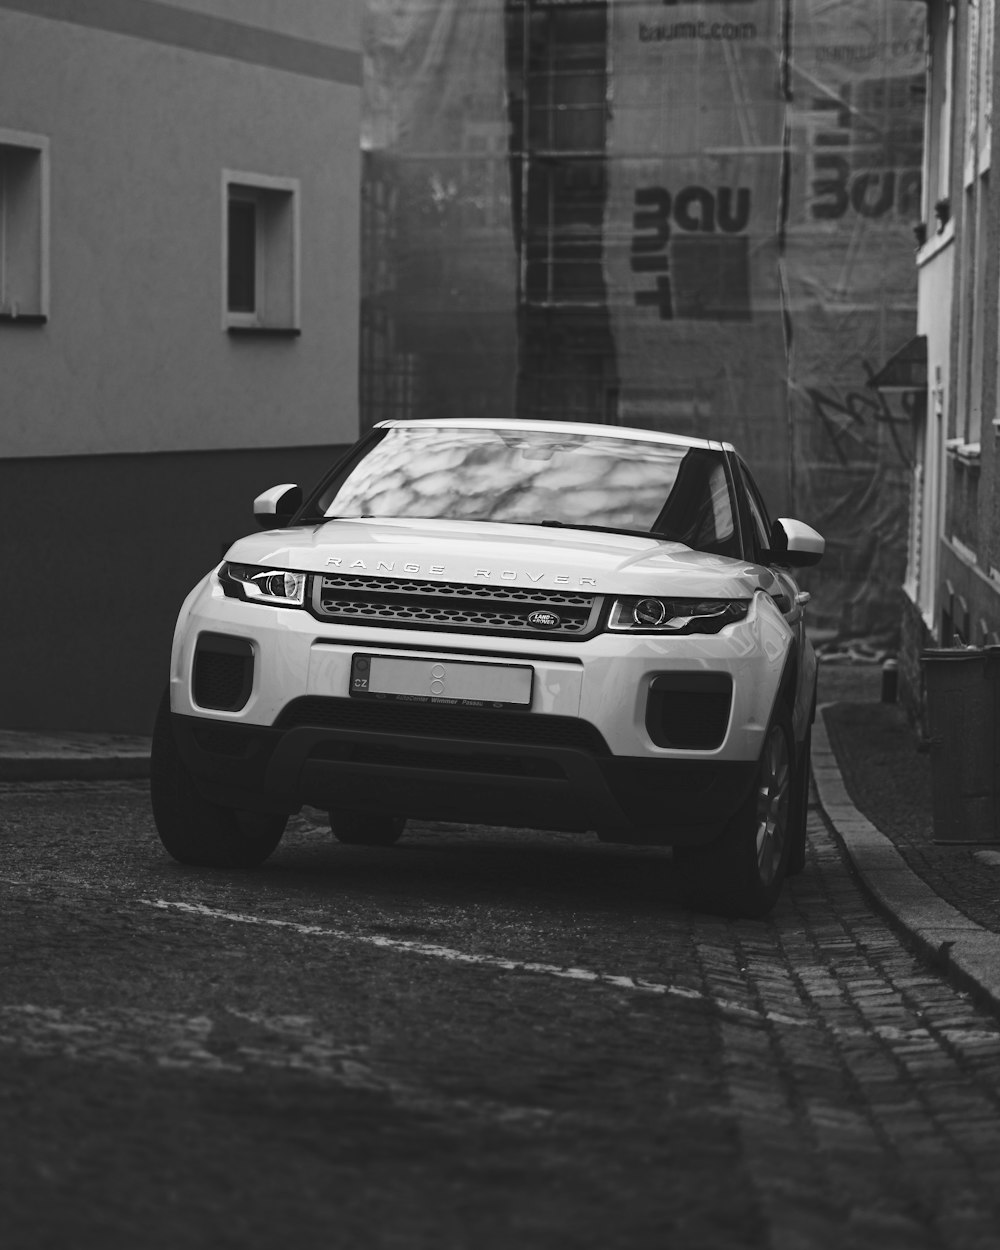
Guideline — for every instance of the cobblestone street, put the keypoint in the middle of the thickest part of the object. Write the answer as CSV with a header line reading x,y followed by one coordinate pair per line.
x,y
484,1040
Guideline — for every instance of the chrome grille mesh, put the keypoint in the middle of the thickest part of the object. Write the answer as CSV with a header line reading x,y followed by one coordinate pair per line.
x,y
451,605
387,585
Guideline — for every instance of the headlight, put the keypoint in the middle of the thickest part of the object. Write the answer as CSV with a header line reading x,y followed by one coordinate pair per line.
x,y
277,586
676,616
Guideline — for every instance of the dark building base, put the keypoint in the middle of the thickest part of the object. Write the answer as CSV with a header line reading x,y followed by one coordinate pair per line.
x,y
99,552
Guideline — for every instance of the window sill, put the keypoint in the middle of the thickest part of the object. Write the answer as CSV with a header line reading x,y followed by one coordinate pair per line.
x,y
23,319
286,332
965,453
936,243
965,553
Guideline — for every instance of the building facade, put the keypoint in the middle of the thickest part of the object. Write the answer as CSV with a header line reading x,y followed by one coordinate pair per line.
x,y
952,587
179,286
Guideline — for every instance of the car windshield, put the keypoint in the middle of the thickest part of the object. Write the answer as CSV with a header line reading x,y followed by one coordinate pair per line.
x,y
525,476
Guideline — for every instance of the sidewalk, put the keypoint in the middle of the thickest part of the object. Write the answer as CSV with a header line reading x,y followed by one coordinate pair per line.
x,y
945,898
29,756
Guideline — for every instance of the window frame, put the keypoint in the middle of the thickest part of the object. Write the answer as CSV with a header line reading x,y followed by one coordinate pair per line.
x,y
277,253
29,304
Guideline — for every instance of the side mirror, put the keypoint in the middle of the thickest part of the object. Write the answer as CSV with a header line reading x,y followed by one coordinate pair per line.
x,y
276,507
795,543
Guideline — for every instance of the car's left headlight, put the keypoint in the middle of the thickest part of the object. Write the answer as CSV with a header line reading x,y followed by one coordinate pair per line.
x,y
257,585
651,615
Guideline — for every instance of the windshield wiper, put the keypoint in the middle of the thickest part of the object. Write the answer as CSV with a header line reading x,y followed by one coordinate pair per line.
x,y
316,518
599,529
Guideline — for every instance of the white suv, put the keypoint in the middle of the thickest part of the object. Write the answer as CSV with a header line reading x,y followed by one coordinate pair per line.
x,y
536,623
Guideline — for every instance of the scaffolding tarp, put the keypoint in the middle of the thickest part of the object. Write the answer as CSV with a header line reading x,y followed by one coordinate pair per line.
x,y
695,148
855,156
730,228
441,265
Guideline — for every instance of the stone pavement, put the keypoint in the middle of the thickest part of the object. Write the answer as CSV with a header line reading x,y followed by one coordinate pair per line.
x,y
946,900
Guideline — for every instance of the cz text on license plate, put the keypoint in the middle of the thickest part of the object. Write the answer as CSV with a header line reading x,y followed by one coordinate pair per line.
x,y
461,683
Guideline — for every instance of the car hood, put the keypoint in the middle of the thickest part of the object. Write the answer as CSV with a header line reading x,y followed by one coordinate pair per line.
x,y
496,553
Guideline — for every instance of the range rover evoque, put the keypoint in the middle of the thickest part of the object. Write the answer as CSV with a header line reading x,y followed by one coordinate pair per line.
x,y
535,623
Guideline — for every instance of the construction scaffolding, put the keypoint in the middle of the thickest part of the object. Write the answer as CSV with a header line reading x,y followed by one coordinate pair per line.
x,y
695,217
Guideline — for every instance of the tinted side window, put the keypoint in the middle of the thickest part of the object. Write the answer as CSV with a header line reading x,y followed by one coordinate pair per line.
x,y
760,522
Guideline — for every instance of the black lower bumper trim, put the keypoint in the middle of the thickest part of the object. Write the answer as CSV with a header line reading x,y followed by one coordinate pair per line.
x,y
453,779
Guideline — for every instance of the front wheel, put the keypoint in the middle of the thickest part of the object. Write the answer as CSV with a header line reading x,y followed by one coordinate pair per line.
x,y
800,808
741,872
193,830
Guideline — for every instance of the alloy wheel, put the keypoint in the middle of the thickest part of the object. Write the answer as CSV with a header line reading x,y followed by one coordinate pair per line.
x,y
773,798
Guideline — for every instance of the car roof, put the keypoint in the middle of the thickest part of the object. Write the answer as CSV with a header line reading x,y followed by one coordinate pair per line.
x,y
560,427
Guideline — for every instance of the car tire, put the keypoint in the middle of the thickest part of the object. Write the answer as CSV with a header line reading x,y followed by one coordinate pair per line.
x,y
193,830
740,874
366,829
800,808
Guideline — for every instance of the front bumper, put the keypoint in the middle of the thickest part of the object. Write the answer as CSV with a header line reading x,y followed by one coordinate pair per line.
x,y
582,757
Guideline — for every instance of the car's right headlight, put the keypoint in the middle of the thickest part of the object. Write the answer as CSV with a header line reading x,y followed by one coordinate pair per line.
x,y
651,615
279,587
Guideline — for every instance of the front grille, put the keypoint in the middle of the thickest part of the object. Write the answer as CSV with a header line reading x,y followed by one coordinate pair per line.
x,y
452,605
430,721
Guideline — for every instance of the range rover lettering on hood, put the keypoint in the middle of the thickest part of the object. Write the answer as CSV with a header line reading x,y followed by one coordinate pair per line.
x,y
438,570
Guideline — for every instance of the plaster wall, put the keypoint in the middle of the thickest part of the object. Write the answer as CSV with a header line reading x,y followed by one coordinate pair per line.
x,y
134,356
321,21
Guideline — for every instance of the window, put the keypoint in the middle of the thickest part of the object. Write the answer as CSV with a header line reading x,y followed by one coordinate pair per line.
x,y
760,523
563,78
557,93
261,252
23,227
242,281
977,226
946,109
527,476
940,92
972,92
984,124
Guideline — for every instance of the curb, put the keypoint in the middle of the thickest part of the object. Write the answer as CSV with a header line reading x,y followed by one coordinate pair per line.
x,y
968,953
28,755
84,768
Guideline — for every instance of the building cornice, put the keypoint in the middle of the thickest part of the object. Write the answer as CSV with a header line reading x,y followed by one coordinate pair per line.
x,y
155,21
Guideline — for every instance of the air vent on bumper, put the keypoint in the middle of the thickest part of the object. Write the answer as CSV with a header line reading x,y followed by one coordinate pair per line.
x,y
689,711
223,672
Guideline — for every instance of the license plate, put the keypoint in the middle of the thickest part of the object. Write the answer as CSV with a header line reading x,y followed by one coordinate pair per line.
x,y
460,683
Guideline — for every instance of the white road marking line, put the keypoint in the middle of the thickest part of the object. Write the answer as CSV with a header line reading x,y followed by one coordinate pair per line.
x,y
451,955
960,1035
888,1033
